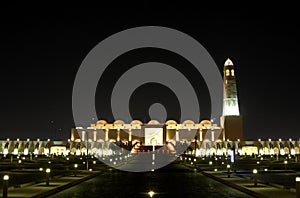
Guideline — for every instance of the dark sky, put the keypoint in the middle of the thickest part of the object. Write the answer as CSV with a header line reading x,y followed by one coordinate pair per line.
x,y
42,49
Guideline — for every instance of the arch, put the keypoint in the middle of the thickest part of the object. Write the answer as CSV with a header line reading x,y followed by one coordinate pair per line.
x,y
232,72
266,151
227,72
276,151
286,150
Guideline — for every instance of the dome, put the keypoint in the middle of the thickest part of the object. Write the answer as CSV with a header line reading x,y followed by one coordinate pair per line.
x,y
228,62
189,122
171,122
101,122
119,122
136,122
153,122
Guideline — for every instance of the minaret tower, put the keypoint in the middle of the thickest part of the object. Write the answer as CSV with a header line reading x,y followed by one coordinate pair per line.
x,y
231,121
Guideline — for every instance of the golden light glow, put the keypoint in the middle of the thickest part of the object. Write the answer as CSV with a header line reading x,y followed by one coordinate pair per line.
x,y
5,177
151,193
254,171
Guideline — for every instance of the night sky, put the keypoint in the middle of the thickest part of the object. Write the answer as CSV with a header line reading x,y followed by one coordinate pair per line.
x,y
42,49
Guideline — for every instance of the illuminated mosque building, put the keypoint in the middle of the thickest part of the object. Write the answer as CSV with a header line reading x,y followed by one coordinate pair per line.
x,y
204,138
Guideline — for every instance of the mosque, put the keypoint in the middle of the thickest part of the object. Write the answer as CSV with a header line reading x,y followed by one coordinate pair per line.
x,y
203,138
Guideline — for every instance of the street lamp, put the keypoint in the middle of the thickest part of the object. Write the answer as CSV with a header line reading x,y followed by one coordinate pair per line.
x,y
5,185
255,177
48,170
298,187
75,167
285,164
228,170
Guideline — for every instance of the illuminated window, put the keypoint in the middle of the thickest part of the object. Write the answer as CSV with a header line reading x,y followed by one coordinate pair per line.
x,y
232,72
227,72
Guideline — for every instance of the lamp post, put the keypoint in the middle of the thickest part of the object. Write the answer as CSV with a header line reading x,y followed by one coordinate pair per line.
x,y
285,164
75,167
48,170
255,177
228,170
5,185
298,187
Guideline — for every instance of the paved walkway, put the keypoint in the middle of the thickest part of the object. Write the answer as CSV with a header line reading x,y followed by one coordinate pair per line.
x,y
55,185
246,185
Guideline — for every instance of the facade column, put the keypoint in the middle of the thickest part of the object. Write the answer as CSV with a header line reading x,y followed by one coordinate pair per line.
x,y
106,135
95,136
201,134
177,136
118,135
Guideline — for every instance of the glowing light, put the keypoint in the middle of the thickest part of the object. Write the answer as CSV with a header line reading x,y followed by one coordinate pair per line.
x,y
215,169
41,169
228,166
265,169
285,162
5,177
75,165
254,171
228,62
151,193
297,179
210,162
48,170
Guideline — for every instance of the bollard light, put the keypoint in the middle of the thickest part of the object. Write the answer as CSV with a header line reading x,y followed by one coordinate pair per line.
x,y
6,177
298,187
75,172
5,185
48,170
285,164
228,170
255,177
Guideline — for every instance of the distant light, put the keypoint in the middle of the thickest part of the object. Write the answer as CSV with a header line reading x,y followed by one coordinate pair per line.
x,y
228,166
151,193
38,140
41,169
67,158
210,162
6,177
152,170
28,139
227,140
265,169
259,140
257,162
279,139
254,171
238,140
49,162
48,170
115,163
94,162
195,160
75,165
7,139
18,139
290,139
215,169
48,140
19,161
90,169
285,162
269,139
297,179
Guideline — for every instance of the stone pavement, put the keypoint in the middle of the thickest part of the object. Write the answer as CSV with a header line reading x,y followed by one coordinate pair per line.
x,y
244,184
55,185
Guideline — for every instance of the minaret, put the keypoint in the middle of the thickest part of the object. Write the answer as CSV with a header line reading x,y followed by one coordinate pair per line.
x,y
230,99
231,121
